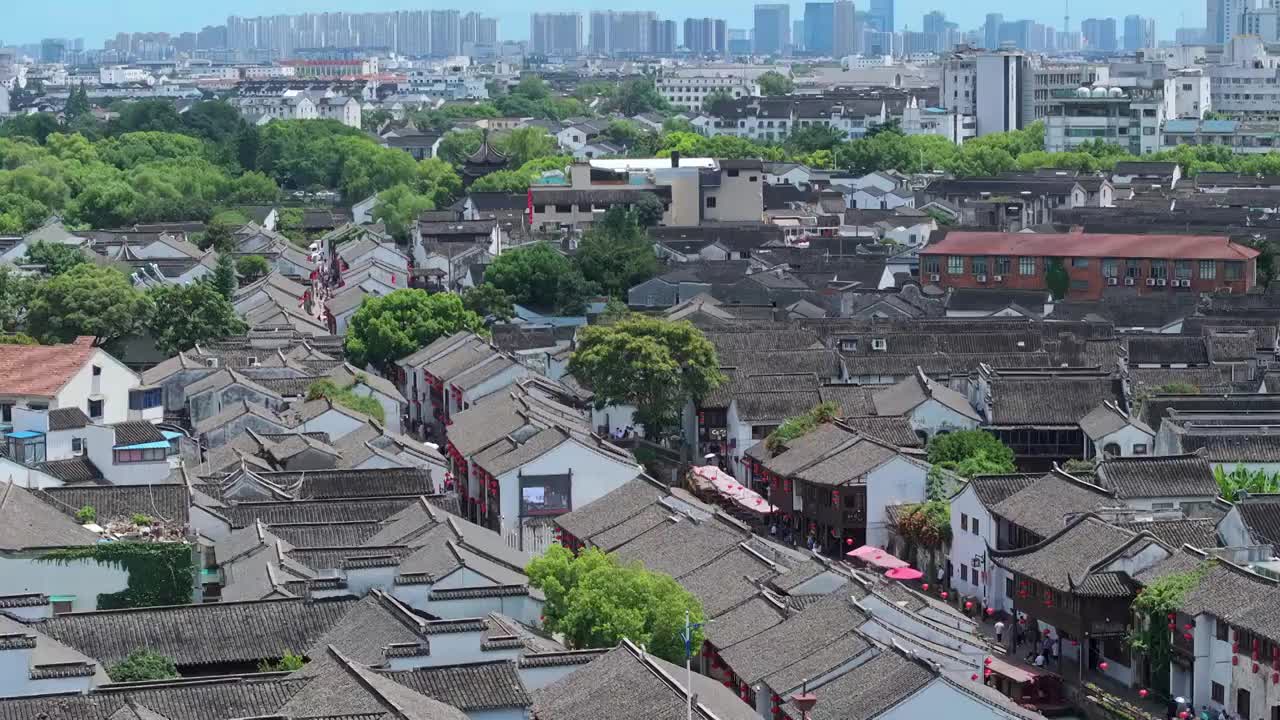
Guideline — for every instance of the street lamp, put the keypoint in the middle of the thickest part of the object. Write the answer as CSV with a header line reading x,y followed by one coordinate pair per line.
x,y
804,699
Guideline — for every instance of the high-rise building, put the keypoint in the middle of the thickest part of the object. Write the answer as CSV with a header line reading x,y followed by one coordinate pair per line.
x,y
662,34
797,35
1139,32
1191,36
556,33
1225,18
844,29
622,32
706,36
819,28
1099,34
991,31
53,50
739,42
476,29
772,29
880,15
446,33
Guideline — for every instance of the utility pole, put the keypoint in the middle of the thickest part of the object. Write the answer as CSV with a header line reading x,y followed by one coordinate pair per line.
x,y
687,634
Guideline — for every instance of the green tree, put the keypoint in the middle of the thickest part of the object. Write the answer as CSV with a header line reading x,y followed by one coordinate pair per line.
x,y
488,301
506,181
616,252
77,104
1057,279
595,601
254,188
718,102
16,290
252,267
457,145
374,119
398,208
37,126
87,300
186,315
775,83
524,144
637,96
971,452
538,275
224,280
143,664
1242,479
56,258
390,327
218,235
438,181
813,138
288,663
654,365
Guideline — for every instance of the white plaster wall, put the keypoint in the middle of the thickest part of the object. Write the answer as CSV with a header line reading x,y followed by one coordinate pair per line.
x,y
84,579
594,475
965,545
896,482
932,416
337,424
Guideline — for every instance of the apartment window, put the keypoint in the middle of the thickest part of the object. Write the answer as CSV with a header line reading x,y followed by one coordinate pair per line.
x,y
1233,270
1079,262
979,266
734,172
77,445
964,573
1002,263
1218,693
62,603
141,455
1182,269
711,202
1132,269
1008,587
1242,702
1159,270
1208,269
564,208
97,371
1139,448
955,265
1026,266
6,412
964,522
1110,268
973,526
95,409
145,398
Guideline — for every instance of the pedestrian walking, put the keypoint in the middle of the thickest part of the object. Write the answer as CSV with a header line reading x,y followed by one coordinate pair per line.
x,y
999,631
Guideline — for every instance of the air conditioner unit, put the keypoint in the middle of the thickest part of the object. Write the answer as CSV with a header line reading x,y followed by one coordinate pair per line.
x,y
935,277
998,278
1162,282
981,278
1226,290
1186,283
1113,281
211,362
1128,281
1151,282
879,344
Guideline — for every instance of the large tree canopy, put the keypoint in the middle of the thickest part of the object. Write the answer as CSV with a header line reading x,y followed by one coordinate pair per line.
x,y
87,300
189,314
390,327
616,253
654,365
540,276
595,601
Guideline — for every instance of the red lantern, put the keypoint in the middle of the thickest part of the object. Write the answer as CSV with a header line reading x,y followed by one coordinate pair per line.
x,y
1275,678
1255,668
1186,636
1173,616
1046,632
974,677
1235,647
968,605
1142,693
1172,627
1235,659
986,673
925,587
991,611
849,541
1102,666
987,661
1184,715
1188,626
944,594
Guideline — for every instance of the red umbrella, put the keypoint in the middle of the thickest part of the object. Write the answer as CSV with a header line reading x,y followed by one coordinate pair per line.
x,y
904,573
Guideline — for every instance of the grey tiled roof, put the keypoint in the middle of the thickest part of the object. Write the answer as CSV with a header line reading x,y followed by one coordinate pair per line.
x,y
170,503
744,621
869,689
1050,401
612,509
894,430
1233,445
330,534
1261,515
67,419
992,489
1044,506
72,470
212,633
727,580
795,639
1068,560
28,522
317,511
1196,532
136,432
1158,476
471,688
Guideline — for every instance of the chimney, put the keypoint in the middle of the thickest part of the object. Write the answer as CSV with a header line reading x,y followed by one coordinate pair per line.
x,y
675,158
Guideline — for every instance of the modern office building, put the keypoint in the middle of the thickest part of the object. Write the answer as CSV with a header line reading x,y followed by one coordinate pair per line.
x,y
772,29
991,31
819,28
446,33
556,33
1139,32
880,15
1099,34
662,34
844,28
623,32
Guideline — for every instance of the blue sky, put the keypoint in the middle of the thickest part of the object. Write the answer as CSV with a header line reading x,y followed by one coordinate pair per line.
x,y
94,20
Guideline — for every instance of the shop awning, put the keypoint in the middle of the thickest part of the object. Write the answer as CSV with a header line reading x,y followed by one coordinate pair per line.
x,y
879,557
711,479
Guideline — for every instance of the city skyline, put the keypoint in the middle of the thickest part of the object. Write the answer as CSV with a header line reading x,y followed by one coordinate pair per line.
x,y
96,22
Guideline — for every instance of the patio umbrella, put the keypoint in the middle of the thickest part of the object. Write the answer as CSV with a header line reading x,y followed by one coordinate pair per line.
x,y
904,573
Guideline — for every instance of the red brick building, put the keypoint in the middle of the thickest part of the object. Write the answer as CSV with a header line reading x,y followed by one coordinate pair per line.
x,y
1095,262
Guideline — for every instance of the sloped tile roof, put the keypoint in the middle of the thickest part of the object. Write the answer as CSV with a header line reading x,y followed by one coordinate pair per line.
x,y
72,470
471,688
317,511
1050,401
67,419
42,370
28,522
869,689
212,633
1158,476
1044,506
795,639
1066,560
170,503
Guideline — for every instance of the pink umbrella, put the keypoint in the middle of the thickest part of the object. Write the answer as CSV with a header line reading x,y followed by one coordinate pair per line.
x,y
904,573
